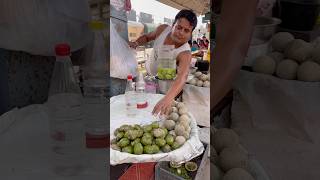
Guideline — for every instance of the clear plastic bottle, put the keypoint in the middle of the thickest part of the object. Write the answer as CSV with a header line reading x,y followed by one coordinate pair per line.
x,y
95,65
130,97
95,84
141,94
66,122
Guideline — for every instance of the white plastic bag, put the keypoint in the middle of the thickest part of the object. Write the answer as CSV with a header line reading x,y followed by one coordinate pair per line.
x,y
122,58
35,26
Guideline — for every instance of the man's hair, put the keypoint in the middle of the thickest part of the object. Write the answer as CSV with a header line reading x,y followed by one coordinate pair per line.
x,y
189,15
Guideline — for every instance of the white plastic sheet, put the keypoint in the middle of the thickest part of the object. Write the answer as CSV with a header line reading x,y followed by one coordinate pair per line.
x,y
191,149
278,122
197,100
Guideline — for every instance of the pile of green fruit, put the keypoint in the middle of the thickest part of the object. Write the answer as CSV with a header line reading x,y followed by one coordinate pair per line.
x,y
154,138
147,139
166,73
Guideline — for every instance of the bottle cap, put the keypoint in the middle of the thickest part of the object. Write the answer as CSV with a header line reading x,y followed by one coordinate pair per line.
x,y
62,49
97,25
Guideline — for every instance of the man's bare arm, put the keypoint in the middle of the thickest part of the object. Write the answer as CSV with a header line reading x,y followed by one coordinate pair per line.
x,y
148,37
233,36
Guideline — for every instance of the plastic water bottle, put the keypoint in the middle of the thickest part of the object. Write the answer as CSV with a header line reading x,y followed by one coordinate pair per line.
x,y
66,122
141,94
95,86
130,97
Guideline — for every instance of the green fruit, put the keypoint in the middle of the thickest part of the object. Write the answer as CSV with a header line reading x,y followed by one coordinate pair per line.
x,y
169,139
132,134
166,148
119,135
160,76
160,70
115,147
155,125
123,142
160,142
172,72
125,127
147,128
153,142
148,135
148,149
135,141
175,145
126,134
140,133
137,127
191,166
127,149
165,131
116,131
158,132
168,76
146,140
155,148
138,148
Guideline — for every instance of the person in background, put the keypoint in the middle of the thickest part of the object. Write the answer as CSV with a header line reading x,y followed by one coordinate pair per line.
x,y
178,35
194,46
199,36
201,44
205,41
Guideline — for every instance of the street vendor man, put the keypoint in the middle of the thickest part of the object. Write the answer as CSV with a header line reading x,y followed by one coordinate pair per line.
x,y
178,35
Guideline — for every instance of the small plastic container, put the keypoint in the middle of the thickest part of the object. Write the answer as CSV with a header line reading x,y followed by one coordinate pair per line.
x,y
166,69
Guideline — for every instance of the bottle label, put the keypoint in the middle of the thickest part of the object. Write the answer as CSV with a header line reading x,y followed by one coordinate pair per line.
x,y
142,105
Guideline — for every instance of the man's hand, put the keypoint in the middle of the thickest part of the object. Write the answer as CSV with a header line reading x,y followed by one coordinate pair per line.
x,y
163,106
133,45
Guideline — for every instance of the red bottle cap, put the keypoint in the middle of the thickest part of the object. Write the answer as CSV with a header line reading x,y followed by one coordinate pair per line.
x,y
62,49
129,76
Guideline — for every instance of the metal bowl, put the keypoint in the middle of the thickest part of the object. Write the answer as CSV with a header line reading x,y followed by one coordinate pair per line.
x,y
264,29
164,85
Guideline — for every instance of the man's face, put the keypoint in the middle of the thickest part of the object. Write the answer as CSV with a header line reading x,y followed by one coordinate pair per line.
x,y
181,31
